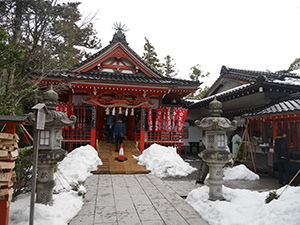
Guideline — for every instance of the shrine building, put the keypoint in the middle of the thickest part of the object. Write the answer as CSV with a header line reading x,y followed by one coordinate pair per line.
x,y
117,81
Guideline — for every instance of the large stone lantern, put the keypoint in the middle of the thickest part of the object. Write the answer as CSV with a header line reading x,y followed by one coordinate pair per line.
x,y
49,145
215,140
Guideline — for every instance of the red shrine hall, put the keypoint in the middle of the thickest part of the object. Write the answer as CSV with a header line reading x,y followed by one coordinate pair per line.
x,y
119,82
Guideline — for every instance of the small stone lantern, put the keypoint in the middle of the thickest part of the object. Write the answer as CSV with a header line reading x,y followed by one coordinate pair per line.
x,y
49,146
215,140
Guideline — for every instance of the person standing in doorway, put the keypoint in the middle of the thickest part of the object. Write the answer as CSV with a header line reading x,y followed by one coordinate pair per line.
x,y
119,134
236,140
283,158
110,128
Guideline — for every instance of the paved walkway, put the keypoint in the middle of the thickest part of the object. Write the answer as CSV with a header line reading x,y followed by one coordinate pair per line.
x,y
136,199
107,154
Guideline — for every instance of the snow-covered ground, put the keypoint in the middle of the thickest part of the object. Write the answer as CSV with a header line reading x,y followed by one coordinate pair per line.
x,y
240,208
72,171
243,207
164,162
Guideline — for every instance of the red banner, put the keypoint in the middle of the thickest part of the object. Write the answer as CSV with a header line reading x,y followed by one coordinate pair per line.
x,y
150,120
158,119
169,120
175,115
181,119
72,113
65,111
165,121
83,117
78,117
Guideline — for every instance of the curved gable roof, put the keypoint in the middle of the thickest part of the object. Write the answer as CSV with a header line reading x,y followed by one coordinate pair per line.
x,y
118,43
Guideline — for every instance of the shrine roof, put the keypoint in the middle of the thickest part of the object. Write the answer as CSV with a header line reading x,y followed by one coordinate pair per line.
x,y
251,75
248,76
119,37
87,71
14,119
102,76
205,101
285,106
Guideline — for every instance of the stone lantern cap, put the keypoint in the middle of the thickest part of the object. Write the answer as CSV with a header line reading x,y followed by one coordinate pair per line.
x,y
215,122
53,118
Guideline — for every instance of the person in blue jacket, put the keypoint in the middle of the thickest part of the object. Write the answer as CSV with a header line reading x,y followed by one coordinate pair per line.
x,y
119,134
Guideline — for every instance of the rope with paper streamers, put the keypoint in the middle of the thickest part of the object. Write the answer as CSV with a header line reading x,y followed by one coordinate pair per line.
x,y
117,104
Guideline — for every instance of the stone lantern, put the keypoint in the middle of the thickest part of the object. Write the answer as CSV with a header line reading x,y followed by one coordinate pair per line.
x,y
215,140
49,145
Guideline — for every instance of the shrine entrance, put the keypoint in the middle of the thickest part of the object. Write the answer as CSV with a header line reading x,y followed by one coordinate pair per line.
x,y
128,110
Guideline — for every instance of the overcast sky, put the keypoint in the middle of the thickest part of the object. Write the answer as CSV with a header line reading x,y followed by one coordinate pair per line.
x,y
243,34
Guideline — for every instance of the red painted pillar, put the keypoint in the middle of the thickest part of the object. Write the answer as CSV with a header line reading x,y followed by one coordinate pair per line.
x,y
142,128
93,125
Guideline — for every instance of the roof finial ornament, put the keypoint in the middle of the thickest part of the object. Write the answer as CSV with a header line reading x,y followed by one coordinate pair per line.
x,y
119,27
119,36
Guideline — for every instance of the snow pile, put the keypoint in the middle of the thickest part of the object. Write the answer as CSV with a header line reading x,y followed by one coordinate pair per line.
x,y
65,206
240,172
164,161
75,168
247,207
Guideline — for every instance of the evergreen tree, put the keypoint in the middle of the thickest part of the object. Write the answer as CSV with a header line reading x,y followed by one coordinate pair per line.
x,y
295,65
169,68
150,56
196,74
47,36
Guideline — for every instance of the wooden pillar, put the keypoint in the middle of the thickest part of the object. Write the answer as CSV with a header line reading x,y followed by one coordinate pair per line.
x,y
93,125
100,122
142,128
131,127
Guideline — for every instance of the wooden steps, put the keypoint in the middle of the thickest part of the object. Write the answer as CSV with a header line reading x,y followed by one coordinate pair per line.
x,y
107,154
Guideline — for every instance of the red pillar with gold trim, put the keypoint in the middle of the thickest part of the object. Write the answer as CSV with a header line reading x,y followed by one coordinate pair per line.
x,y
93,125
142,128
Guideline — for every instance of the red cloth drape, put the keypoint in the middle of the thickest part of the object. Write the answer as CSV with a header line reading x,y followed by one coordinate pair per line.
x,y
158,119
175,115
83,117
181,119
165,121
72,113
78,116
168,120
150,120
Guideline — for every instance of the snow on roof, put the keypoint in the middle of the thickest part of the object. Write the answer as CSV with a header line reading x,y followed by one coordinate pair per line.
x,y
289,80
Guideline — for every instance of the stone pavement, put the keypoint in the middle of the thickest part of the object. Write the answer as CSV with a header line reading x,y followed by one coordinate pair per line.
x,y
136,199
